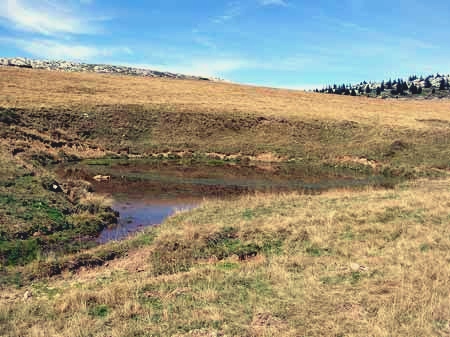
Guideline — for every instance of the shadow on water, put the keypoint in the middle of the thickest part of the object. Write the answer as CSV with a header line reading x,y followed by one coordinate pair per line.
x,y
147,192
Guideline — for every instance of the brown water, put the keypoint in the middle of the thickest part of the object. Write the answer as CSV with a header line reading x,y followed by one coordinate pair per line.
x,y
147,193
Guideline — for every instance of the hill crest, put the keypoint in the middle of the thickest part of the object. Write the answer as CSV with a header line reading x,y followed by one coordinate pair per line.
x,y
68,66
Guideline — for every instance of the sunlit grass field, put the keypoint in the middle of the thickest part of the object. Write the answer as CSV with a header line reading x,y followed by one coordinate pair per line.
x,y
349,262
91,115
23,88
344,263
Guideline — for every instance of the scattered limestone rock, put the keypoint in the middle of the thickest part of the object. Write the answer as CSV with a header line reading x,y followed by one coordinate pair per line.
x,y
28,294
100,177
356,267
94,68
201,333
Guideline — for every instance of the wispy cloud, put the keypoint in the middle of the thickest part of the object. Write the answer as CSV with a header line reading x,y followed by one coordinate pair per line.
x,y
204,41
273,3
238,8
233,10
222,66
45,17
51,49
198,67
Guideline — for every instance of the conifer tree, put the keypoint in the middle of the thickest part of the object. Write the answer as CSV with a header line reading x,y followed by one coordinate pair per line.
x,y
413,89
400,88
404,86
389,84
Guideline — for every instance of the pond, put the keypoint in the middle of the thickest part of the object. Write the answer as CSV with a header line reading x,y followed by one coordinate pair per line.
x,y
146,192
136,214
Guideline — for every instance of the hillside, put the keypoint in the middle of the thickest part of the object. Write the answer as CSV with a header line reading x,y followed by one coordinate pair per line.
x,y
89,115
353,260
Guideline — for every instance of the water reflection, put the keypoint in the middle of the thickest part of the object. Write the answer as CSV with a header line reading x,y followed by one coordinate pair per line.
x,y
137,214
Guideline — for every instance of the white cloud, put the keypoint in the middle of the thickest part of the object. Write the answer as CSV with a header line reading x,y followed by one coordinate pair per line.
x,y
44,17
273,3
223,65
217,67
51,49
197,67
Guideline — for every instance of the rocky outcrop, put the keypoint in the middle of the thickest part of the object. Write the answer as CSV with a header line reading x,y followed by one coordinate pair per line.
x,y
94,68
434,82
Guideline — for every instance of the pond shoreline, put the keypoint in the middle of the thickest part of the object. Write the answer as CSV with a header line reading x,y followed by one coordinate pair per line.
x,y
147,191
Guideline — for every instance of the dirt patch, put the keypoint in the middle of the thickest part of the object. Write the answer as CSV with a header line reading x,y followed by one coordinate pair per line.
x,y
270,157
264,322
398,145
360,160
351,310
435,122
395,147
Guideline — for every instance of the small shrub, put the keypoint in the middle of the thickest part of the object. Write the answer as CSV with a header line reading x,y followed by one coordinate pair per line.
x,y
101,311
248,214
425,247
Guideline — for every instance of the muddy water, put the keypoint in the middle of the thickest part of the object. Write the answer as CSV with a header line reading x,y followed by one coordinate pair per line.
x,y
146,193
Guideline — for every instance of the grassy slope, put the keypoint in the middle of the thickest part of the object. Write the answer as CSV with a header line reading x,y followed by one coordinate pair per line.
x,y
88,114
369,263
284,264
35,221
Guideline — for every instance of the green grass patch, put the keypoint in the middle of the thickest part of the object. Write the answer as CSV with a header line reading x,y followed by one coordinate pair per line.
x,y
313,249
99,311
227,265
353,278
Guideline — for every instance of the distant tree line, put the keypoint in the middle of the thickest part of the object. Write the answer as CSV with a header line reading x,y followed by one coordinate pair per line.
x,y
396,87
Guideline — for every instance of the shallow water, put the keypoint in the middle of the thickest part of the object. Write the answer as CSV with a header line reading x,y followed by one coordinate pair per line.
x,y
147,193
136,214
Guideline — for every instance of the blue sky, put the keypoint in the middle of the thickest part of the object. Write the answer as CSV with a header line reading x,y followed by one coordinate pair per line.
x,y
281,43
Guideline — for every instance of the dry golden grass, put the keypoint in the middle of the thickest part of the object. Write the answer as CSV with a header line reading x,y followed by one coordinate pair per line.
x,y
91,115
24,88
96,200
345,263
